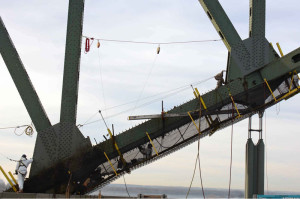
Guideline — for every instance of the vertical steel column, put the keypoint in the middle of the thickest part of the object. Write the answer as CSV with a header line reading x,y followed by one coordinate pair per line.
x,y
257,18
254,167
249,169
22,81
257,32
72,62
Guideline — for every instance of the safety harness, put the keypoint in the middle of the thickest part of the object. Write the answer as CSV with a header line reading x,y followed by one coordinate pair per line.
x,y
20,165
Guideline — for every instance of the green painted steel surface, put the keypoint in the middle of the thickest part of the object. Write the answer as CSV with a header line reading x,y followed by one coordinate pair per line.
x,y
259,49
238,51
46,138
249,169
250,61
72,62
260,167
244,56
281,66
257,18
22,81
254,168
66,137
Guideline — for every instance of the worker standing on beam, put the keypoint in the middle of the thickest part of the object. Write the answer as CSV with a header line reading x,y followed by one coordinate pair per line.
x,y
21,171
147,152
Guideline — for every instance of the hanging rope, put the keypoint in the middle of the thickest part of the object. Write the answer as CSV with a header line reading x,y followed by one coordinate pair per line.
x,y
126,187
197,159
200,173
101,78
145,83
192,177
202,188
229,189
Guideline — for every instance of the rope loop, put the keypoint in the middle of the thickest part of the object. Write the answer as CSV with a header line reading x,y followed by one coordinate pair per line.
x,y
29,130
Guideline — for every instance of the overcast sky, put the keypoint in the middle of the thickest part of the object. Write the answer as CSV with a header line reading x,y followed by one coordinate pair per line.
x,y
131,72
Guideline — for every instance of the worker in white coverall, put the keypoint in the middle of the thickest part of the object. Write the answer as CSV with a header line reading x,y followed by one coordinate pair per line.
x,y
21,171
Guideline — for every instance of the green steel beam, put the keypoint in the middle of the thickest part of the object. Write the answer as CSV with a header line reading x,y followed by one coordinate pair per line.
x,y
259,48
257,18
221,22
22,81
238,51
72,62
284,65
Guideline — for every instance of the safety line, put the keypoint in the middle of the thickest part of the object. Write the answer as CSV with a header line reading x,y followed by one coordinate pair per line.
x,y
170,93
13,127
146,42
101,78
145,83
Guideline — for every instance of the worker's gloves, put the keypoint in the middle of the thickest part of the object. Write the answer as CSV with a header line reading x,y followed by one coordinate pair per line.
x,y
16,172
